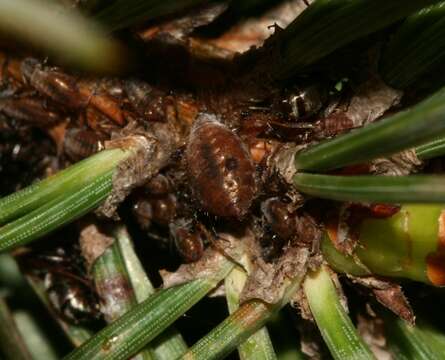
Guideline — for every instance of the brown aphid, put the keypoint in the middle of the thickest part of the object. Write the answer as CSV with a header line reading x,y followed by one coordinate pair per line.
x,y
142,210
158,185
160,210
29,110
164,209
188,239
333,125
60,87
3,66
278,217
99,122
147,101
79,143
104,103
12,70
220,168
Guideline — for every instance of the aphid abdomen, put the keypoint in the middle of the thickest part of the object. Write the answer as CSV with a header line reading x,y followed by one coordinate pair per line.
x,y
58,86
187,239
279,218
79,144
221,171
334,124
29,110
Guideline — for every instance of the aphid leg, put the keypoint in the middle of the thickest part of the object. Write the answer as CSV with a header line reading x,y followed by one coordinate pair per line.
x,y
219,248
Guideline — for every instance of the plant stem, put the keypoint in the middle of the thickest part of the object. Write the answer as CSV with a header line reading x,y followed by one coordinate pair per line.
x,y
335,325
404,130
407,245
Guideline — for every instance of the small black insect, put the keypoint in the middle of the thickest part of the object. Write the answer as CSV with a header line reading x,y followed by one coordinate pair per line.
x,y
69,292
304,102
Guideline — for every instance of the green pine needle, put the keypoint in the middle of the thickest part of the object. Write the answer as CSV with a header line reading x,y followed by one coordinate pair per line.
x,y
417,47
258,346
335,325
144,322
62,33
431,149
420,342
422,123
65,182
328,25
121,14
55,213
170,344
387,189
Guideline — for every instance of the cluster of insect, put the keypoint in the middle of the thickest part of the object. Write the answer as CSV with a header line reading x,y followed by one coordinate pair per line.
x,y
221,176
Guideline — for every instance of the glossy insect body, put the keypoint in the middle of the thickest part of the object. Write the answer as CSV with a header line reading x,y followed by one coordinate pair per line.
x,y
278,217
159,210
220,169
31,111
333,125
79,144
188,239
71,299
158,185
304,102
69,91
58,86
155,203
277,226
68,291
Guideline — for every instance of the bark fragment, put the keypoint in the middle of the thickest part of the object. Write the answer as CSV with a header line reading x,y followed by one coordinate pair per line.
x,y
389,294
371,100
403,163
151,151
115,294
373,333
255,30
93,243
268,282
